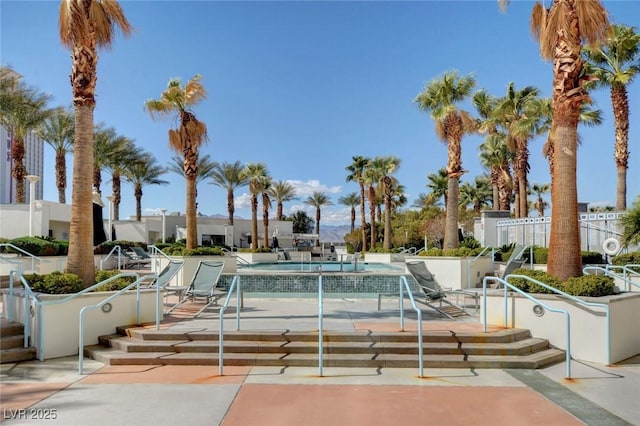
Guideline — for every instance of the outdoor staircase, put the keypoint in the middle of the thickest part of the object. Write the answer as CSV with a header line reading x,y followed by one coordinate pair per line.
x,y
506,348
12,342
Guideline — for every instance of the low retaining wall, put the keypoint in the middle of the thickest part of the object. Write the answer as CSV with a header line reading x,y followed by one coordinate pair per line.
x,y
589,325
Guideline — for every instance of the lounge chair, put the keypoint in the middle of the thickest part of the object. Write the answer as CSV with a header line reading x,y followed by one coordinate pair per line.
x,y
515,261
165,276
433,292
203,285
131,260
287,255
141,253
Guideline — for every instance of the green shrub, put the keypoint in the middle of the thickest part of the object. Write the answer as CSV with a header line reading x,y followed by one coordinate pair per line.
x,y
589,285
57,283
177,250
114,285
531,287
470,242
35,246
433,251
540,255
632,258
592,258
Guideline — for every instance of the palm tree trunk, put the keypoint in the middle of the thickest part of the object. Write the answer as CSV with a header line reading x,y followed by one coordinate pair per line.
x,y
372,213
318,226
230,206
61,175
620,103
117,196
138,194
192,218
80,257
254,221
19,171
386,243
451,215
363,219
265,222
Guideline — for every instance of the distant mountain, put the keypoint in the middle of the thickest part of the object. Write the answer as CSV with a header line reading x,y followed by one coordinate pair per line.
x,y
333,234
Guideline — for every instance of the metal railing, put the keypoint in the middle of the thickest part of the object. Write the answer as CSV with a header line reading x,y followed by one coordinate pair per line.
x,y
470,261
30,297
135,284
156,253
404,284
628,271
120,261
238,258
507,286
320,324
23,252
235,285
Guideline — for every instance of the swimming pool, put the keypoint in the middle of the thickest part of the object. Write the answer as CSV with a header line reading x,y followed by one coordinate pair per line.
x,y
325,266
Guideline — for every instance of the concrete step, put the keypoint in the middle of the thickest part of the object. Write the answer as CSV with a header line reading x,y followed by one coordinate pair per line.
x,y
507,348
529,361
12,343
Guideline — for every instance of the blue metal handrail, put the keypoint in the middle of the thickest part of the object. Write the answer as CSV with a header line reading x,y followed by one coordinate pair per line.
x,y
626,270
235,285
404,284
30,295
115,248
506,285
135,284
24,252
320,324
470,261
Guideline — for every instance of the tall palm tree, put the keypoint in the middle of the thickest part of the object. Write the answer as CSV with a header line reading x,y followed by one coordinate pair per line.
x,y
318,200
371,177
108,146
438,183
265,186
539,189
386,166
351,200
560,30
205,169
356,174
57,132
495,156
143,172
22,110
441,98
254,173
85,25
615,64
281,191
178,100
519,113
228,176
116,165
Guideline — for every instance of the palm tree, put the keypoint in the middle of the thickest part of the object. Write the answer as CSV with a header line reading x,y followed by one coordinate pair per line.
x,y
22,109
228,176
116,165
477,194
254,173
85,25
540,203
282,191
177,101
351,200
519,113
57,132
386,166
205,168
495,156
441,97
265,186
371,177
560,31
615,64
108,147
143,172
317,200
356,174
438,185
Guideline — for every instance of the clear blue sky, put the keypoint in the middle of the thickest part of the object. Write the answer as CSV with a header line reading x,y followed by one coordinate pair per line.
x,y
304,86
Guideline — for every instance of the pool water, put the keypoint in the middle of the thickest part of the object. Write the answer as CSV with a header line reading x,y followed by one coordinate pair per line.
x,y
325,266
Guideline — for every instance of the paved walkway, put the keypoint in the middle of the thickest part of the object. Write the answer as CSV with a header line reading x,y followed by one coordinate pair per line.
x,y
52,392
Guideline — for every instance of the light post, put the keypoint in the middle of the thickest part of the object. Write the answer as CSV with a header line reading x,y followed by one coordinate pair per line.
x,y
110,198
32,196
164,215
